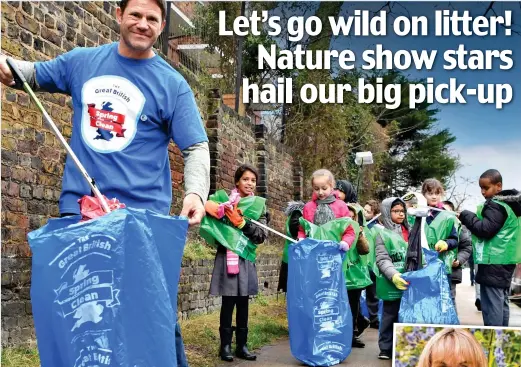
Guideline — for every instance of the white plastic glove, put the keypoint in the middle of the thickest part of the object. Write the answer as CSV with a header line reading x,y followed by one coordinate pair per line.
x,y
343,246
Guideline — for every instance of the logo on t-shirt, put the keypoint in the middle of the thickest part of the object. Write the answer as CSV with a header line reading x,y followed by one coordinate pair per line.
x,y
112,109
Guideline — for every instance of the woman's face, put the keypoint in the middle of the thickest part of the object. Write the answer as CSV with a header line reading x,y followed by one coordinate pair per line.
x,y
368,212
322,187
341,195
246,184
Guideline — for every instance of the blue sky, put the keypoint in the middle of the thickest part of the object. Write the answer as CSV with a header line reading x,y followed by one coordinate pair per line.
x,y
486,137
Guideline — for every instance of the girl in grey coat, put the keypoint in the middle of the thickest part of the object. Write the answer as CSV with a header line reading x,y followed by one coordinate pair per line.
x,y
393,218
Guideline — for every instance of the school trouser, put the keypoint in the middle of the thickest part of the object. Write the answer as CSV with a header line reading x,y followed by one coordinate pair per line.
x,y
453,293
389,317
354,302
371,299
241,317
494,305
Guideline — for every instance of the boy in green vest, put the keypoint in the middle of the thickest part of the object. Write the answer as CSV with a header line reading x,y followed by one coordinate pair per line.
x,y
496,228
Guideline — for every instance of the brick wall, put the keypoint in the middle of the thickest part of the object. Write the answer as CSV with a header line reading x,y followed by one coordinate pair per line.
x,y
32,158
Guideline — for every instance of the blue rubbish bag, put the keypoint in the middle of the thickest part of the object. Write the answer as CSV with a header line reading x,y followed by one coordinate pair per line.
x,y
427,299
365,310
319,317
104,292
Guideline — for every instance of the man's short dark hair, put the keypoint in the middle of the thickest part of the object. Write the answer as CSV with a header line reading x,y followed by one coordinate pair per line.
x,y
243,168
451,204
493,175
161,3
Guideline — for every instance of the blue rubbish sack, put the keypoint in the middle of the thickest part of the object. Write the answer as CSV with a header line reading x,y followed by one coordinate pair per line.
x,y
427,299
365,310
319,316
104,291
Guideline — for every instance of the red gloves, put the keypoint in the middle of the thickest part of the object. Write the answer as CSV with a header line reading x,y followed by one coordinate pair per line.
x,y
235,217
212,208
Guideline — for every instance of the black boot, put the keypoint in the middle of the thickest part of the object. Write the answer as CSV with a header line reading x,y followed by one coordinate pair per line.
x,y
241,338
225,352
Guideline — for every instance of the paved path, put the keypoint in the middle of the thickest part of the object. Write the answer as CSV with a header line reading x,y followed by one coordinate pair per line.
x,y
280,355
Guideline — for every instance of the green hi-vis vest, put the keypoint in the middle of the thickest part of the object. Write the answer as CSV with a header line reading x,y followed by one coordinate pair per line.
x,y
355,271
287,243
505,247
360,212
370,258
411,219
397,249
440,229
222,232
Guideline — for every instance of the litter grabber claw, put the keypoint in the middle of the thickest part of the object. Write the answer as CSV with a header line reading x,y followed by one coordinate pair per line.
x,y
271,229
20,81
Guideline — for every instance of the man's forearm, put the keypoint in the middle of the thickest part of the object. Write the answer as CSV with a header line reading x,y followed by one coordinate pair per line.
x,y
29,72
197,170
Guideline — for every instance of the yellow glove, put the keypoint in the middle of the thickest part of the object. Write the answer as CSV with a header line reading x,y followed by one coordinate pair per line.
x,y
441,246
399,282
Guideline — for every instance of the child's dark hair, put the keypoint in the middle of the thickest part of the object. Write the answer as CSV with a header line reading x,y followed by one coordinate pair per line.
x,y
161,3
398,202
243,168
451,204
432,185
493,175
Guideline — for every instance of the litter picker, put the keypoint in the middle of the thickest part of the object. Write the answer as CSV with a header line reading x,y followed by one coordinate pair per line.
x,y
22,82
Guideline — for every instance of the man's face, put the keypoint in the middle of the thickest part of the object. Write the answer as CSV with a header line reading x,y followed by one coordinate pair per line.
x,y
140,24
488,189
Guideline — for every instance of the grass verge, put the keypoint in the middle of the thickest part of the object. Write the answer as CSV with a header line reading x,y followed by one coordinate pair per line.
x,y
267,323
20,357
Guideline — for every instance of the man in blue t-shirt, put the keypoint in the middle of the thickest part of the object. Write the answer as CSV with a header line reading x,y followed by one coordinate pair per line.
x,y
128,104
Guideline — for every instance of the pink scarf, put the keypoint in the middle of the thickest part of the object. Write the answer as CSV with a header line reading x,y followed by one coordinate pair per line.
x,y
232,259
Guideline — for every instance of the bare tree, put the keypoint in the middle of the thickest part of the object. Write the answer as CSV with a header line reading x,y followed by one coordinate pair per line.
x,y
458,190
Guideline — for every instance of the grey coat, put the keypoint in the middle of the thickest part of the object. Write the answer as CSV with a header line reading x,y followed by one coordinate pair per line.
x,y
246,282
383,260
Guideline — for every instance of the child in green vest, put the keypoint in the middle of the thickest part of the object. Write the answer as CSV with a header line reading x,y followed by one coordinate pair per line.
x,y
294,213
441,226
391,251
496,228
234,275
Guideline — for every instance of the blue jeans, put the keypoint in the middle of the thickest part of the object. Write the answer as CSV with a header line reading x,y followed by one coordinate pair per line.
x,y
180,347
494,306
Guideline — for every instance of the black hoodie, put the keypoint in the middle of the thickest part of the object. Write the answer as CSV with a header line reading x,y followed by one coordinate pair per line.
x,y
494,217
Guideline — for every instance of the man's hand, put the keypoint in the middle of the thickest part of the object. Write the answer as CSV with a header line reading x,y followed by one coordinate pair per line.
x,y
6,77
193,208
455,263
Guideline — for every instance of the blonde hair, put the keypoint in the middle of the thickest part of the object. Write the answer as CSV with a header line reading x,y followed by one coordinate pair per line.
x,y
323,172
453,346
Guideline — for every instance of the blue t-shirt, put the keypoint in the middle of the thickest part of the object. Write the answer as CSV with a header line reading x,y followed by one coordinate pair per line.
x,y
125,113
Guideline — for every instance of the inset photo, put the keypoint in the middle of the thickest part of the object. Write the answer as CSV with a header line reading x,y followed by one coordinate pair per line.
x,y
456,346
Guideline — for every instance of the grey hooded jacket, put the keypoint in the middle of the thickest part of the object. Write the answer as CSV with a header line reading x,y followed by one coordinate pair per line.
x,y
383,260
